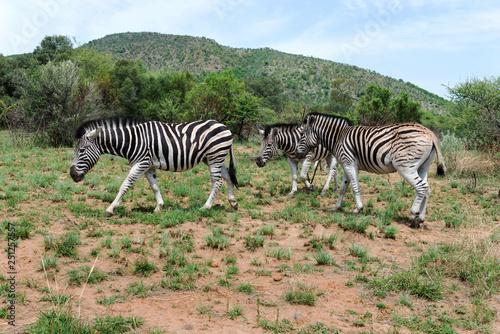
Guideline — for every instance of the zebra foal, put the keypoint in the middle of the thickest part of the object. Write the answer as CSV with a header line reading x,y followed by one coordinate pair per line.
x,y
407,148
285,137
152,145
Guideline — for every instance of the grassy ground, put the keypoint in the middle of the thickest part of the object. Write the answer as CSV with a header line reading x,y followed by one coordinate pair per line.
x,y
274,265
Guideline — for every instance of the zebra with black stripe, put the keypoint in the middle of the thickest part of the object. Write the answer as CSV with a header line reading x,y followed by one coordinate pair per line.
x,y
152,145
285,137
407,148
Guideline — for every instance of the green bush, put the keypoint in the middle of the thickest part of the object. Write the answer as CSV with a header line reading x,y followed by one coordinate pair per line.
x,y
55,99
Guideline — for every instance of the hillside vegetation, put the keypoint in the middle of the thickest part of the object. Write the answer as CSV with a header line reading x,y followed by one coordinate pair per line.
x,y
304,78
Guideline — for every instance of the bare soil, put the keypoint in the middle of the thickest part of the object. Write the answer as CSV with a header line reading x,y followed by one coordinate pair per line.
x,y
340,306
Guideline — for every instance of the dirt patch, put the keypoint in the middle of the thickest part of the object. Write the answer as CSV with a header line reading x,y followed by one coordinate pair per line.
x,y
343,301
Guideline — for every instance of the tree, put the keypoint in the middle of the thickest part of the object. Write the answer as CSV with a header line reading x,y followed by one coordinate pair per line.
x,y
92,62
477,103
6,67
128,77
378,107
405,109
223,97
342,96
374,108
163,95
53,48
271,92
246,115
55,100
216,97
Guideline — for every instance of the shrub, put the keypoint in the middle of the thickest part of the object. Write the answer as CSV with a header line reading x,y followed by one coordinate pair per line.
x,y
302,294
143,267
323,258
66,245
55,99
461,160
217,239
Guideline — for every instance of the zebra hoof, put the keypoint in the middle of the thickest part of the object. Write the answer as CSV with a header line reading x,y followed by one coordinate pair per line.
x,y
416,222
291,194
233,203
108,214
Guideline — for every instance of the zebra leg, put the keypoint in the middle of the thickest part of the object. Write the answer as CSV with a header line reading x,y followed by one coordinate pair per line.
x,y
135,172
343,189
352,173
332,172
422,172
423,192
306,163
153,182
230,187
215,175
423,208
293,169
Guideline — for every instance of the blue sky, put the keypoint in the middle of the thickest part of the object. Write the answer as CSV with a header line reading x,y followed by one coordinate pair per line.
x,y
431,43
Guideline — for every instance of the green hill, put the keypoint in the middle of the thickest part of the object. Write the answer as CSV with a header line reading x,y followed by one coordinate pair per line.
x,y
305,78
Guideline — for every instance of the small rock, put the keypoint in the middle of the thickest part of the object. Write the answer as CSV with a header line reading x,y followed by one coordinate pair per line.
x,y
214,263
277,277
187,327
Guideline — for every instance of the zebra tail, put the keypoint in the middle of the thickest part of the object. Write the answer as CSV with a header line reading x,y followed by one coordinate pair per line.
x,y
441,168
232,168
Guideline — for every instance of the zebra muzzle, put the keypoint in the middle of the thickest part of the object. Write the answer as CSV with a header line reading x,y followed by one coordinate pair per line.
x,y
260,162
75,175
300,154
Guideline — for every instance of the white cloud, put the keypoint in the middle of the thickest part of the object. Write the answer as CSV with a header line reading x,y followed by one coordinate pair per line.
x,y
440,31
458,31
26,23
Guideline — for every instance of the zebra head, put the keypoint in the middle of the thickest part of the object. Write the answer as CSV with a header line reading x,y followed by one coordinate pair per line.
x,y
268,147
308,139
86,155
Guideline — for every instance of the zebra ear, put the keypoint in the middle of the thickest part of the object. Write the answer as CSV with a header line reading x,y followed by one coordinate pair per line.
x,y
274,132
94,133
310,120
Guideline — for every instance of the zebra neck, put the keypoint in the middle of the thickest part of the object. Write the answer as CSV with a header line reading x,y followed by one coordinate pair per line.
x,y
117,142
286,143
329,136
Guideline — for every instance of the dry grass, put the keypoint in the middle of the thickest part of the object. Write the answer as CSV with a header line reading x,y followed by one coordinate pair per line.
x,y
468,162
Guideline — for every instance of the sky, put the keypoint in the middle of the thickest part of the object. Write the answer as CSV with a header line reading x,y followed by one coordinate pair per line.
x,y
433,44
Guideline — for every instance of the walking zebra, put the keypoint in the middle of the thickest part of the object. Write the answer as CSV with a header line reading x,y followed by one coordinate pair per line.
x,y
285,137
407,148
151,145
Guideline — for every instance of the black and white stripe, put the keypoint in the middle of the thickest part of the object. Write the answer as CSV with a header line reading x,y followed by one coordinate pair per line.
x,y
285,137
151,145
407,148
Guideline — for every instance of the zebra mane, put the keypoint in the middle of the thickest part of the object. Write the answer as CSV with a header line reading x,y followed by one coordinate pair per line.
x,y
280,126
348,121
107,122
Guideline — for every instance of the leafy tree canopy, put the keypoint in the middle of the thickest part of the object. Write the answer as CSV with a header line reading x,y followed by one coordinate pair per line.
x,y
477,105
378,107
53,48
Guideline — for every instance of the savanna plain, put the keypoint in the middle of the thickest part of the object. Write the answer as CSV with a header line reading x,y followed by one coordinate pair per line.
x,y
275,265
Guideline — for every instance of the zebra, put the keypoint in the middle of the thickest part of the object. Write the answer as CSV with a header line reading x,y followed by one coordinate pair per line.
x,y
285,137
152,145
407,148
